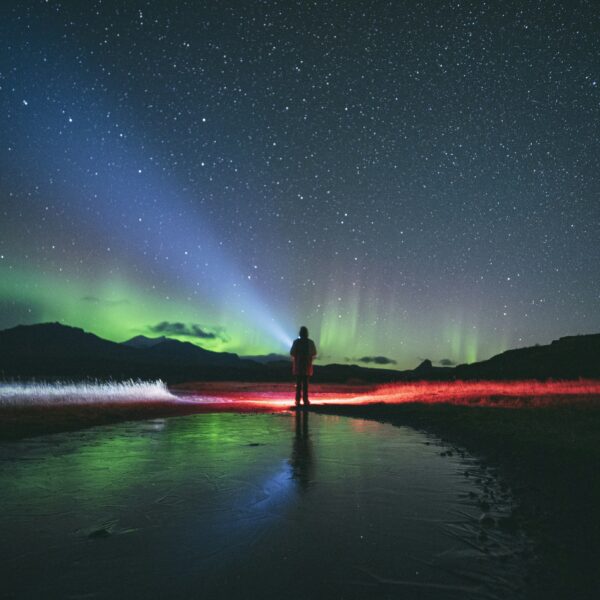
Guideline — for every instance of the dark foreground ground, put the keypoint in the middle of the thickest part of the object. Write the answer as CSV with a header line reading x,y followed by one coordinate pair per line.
x,y
549,456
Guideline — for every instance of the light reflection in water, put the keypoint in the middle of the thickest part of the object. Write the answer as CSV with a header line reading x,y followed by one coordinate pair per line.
x,y
302,461
245,506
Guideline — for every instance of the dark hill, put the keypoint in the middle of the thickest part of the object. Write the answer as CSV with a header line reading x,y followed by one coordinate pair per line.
x,y
53,341
165,349
267,358
569,357
176,351
141,341
54,351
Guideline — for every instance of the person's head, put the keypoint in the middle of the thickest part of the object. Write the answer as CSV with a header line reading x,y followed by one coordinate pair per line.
x,y
303,332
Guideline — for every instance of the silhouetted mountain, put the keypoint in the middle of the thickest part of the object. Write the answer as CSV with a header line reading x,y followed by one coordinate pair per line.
x,y
169,350
141,341
53,341
187,353
54,351
424,368
566,358
336,373
427,371
268,358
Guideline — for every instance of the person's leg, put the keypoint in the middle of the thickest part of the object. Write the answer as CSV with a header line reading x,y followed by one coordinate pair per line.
x,y
298,388
305,390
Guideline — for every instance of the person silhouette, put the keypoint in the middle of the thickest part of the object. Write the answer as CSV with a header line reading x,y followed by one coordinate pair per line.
x,y
303,351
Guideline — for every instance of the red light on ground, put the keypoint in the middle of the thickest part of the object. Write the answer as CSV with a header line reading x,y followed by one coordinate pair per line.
x,y
236,397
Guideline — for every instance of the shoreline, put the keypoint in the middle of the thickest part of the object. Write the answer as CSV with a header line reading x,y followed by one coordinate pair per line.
x,y
549,458
544,448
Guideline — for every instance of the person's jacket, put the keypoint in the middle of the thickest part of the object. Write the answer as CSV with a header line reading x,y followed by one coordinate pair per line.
x,y
303,351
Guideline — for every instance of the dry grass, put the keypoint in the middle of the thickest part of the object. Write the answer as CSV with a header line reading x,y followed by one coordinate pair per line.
x,y
507,394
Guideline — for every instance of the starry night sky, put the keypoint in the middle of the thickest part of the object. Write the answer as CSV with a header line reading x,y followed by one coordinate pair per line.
x,y
408,179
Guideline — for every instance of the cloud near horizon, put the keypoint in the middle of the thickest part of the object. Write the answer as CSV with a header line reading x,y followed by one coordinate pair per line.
x,y
447,362
192,330
377,360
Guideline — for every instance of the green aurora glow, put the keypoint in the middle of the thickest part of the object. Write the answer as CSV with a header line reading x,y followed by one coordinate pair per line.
x,y
116,309
408,182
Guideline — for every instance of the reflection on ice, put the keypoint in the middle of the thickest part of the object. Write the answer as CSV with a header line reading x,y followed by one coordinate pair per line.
x,y
301,461
251,506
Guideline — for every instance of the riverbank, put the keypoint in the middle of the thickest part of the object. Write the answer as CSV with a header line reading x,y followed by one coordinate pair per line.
x,y
549,456
540,438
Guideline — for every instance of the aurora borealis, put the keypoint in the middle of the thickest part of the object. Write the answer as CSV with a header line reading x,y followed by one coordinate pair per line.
x,y
408,179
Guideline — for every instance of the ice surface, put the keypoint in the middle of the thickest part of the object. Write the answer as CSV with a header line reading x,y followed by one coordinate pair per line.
x,y
251,506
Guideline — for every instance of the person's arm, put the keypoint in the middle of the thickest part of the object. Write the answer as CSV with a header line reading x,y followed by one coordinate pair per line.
x,y
293,349
313,349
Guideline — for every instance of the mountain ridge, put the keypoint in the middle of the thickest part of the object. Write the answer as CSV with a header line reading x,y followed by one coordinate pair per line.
x,y
53,350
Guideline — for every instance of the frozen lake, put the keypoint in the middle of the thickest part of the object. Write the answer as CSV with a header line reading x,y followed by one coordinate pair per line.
x,y
252,506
